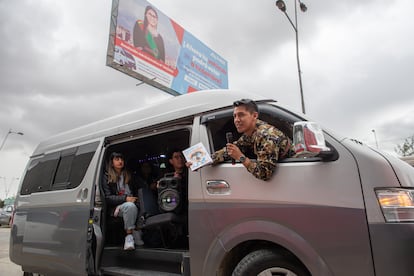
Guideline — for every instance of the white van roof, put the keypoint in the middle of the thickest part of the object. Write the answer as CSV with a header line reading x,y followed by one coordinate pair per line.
x,y
167,110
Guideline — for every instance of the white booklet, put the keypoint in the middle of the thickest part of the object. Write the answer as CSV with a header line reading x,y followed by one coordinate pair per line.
x,y
198,156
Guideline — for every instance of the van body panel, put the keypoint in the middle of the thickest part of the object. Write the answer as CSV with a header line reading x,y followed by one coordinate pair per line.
x,y
312,246
199,227
403,170
54,241
202,239
263,230
313,200
392,248
49,233
408,159
375,172
391,242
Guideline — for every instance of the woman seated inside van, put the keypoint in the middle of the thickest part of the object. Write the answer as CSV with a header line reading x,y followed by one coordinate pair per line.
x,y
121,198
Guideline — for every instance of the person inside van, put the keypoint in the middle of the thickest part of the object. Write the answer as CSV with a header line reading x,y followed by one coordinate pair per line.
x,y
268,143
121,198
147,182
177,162
178,169
178,166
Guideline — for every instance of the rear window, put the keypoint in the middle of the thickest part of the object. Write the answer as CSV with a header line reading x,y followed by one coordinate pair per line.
x,y
59,170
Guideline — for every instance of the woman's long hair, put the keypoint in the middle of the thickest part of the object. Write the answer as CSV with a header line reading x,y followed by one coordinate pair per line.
x,y
113,176
145,16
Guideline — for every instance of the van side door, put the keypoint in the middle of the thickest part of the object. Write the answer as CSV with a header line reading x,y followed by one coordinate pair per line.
x,y
52,219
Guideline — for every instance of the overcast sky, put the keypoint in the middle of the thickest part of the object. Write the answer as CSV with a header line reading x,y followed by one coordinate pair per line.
x,y
356,58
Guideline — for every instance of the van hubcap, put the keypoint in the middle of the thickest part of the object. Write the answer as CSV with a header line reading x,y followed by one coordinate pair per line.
x,y
276,271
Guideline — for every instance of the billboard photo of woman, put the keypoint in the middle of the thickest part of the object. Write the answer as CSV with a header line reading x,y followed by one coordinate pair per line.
x,y
146,36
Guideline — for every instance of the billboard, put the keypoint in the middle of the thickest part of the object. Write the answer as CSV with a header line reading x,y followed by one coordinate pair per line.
x,y
146,44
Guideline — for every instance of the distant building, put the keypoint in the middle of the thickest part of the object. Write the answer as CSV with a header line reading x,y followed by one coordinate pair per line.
x,y
408,159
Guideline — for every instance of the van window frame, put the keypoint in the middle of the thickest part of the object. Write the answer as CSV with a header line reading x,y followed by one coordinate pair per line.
x,y
267,112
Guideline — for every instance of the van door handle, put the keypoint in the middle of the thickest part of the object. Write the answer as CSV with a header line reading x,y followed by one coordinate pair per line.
x,y
82,195
218,187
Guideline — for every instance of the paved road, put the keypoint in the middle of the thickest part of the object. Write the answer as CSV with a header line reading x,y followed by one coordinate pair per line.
x,y
6,266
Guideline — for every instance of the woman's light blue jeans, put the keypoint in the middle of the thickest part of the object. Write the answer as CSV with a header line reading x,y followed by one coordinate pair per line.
x,y
129,213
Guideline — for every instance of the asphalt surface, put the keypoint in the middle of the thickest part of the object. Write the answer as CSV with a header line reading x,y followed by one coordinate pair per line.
x,y
6,266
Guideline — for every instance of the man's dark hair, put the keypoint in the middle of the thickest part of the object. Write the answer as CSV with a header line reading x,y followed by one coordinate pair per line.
x,y
171,153
250,105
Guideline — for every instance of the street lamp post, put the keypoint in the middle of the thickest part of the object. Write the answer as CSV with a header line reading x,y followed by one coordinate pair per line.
x,y
375,136
7,135
282,6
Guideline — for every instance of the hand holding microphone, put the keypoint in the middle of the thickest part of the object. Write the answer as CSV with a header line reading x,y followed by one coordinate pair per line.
x,y
229,139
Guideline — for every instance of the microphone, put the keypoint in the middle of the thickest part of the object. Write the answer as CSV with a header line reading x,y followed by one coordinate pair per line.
x,y
229,139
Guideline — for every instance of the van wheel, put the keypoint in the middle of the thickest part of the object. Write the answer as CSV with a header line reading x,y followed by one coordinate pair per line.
x,y
267,262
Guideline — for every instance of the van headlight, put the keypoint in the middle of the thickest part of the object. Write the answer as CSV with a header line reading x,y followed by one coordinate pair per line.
x,y
397,204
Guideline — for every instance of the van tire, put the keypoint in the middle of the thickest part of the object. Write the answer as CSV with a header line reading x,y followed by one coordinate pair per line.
x,y
270,261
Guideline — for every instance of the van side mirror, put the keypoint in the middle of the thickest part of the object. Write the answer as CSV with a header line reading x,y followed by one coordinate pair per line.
x,y
309,141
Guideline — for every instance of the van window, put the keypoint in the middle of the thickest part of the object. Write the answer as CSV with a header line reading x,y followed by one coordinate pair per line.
x,y
39,174
63,169
221,122
58,170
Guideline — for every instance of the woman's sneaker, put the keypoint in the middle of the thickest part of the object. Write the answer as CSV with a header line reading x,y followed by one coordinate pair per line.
x,y
129,242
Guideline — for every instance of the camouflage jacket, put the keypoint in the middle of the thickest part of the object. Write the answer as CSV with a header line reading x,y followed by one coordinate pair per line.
x,y
268,143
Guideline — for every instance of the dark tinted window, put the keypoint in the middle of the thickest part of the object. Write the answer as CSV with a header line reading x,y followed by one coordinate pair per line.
x,y
60,170
62,174
39,174
80,164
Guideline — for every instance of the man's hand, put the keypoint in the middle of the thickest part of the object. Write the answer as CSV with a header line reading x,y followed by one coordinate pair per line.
x,y
233,151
